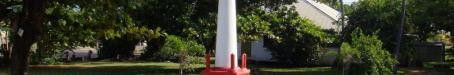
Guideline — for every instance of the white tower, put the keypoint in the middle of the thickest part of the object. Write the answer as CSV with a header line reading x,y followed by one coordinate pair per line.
x,y
226,44
226,39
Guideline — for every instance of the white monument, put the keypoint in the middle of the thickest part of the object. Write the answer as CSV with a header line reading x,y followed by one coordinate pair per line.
x,y
226,39
226,44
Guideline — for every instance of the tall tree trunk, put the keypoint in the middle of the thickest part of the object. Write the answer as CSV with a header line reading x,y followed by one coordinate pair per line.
x,y
399,35
28,31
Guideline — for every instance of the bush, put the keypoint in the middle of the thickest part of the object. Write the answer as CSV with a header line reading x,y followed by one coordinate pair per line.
x,y
122,47
53,57
185,52
365,55
174,46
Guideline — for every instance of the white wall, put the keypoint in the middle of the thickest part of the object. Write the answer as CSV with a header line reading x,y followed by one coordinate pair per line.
x,y
259,52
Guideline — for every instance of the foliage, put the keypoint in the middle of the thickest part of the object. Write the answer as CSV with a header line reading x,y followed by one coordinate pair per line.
x,y
365,55
124,46
431,16
443,37
294,40
181,50
69,23
117,48
48,58
252,26
377,15
332,3
196,19
424,17
174,46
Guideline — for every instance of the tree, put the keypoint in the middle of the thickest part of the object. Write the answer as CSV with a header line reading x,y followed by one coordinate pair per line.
x,y
431,16
196,19
294,40
422,18
379,17
252,27
90,18
28,31
124,46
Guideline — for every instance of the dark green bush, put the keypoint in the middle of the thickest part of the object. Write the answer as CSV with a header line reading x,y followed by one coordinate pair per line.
x,y
121,47
365,55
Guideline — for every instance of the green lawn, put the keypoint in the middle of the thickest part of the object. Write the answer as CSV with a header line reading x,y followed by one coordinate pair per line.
x,y
152,68
108,68
168,68
297,71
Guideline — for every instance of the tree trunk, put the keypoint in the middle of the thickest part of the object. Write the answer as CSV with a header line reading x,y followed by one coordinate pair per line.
x,y
13,26
28,31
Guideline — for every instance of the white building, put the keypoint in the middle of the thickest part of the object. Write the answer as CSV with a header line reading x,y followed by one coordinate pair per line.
x,y
321,14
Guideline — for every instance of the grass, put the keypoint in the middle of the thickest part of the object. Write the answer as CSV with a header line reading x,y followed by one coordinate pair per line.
x,y
154,68
169,68
297,71
108,68
270,68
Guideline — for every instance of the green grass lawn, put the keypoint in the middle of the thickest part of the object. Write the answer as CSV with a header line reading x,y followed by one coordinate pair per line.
x,y
169,68
153,68
297,71
108,68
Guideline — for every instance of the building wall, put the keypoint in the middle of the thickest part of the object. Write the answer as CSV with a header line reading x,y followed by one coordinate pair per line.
x,y
259,52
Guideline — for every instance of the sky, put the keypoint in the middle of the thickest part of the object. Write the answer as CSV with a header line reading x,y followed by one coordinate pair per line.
x,y
349,1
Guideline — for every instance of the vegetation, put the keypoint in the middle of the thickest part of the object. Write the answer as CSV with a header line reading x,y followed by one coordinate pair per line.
x,y
176,46
175,29
384,16
294,40
183,51
364,55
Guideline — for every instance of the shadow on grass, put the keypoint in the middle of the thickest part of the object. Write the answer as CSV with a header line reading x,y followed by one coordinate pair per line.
x,y
270,68
106,70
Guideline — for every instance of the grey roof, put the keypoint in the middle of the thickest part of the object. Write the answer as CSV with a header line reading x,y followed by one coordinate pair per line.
x,y
325,9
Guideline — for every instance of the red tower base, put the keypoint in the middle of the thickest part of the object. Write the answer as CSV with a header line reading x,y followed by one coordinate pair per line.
x,y
226,71
221,71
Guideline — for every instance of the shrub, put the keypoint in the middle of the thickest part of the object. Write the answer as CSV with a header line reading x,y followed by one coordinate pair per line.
x,y
122,47
183,51
365,55
53,57
174,46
